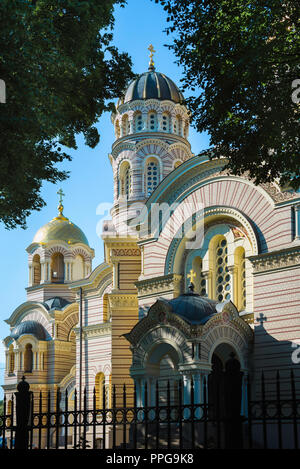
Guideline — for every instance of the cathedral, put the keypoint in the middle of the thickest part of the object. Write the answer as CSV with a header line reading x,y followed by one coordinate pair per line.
x,y
201,267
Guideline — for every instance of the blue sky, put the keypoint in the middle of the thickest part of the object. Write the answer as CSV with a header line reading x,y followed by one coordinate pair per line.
x,y
139,24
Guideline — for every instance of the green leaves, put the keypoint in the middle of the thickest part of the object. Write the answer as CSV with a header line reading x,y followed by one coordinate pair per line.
x,y
243,56
61,73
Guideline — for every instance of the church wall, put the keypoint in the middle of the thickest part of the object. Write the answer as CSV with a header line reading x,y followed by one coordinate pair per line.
x,y
43,292
273,226
277,323
59,361
96,359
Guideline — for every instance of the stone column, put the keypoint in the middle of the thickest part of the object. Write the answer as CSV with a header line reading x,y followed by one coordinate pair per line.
x,y
115,275
233,294
30,280
297,222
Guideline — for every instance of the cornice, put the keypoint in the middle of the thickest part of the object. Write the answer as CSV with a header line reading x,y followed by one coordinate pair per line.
x,y
117,300
158,285
284,259
94,330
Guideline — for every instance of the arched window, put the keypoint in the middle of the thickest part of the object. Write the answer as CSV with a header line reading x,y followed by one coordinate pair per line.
x,y
151,176
28,358
186,130
11,359
240,279
57,268
152,121
125,125
106,311
178,125
222,276
36,267
78,267
138,122
125,179
199,281
99,389
117,129
166,121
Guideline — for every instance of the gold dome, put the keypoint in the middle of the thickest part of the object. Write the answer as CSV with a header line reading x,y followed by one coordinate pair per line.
x,y
60,229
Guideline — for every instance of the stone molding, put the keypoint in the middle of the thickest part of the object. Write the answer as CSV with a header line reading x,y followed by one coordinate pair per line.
x,y
159,285
276,260
94,330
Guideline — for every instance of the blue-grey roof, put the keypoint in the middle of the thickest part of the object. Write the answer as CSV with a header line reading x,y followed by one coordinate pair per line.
x,y
153,85
29,327
193,308
56,303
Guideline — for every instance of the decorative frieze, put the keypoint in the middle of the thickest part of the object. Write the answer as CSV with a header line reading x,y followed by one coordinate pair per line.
x,y
95,330
276,261
159,285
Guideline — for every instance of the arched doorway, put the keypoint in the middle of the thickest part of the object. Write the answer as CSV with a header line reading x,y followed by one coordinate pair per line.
x,y
162,373
225,395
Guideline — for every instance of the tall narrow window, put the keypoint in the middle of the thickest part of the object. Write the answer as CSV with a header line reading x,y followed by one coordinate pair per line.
x,y
36,266
199,282
240,279
125,125
138,122
99,389
152,121
117,130
28,359
166,122
57,268
223,281
151,176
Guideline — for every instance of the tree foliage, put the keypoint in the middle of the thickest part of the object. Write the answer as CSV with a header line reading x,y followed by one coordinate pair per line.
x,y
241,62
61,71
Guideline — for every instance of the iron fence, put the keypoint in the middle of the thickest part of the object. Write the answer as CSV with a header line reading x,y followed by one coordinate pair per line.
x,y
45,421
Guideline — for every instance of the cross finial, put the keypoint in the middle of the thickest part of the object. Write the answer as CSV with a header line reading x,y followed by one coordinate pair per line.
x,y
192,275
61,194
151,49
261,319
60,205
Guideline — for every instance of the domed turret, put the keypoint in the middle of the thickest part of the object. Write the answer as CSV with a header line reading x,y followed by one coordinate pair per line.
x,y
59,253
60,228
151,126
152,85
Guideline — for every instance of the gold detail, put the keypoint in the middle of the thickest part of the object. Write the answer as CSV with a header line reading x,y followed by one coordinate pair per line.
x,y
151,49
192,275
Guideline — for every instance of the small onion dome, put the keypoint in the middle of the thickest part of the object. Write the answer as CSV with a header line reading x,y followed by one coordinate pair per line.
x,y
56,303
60,229
193,308
152,85
29,327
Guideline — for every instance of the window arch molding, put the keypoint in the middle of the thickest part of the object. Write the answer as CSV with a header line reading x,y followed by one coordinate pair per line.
x,y
124,179
233,281
154,182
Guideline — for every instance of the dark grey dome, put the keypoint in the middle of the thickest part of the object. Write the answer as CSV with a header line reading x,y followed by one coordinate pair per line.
x,y
29,327
153,85
193,308
56,303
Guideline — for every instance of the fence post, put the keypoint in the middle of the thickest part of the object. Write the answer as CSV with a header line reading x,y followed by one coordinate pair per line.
x,y
22,414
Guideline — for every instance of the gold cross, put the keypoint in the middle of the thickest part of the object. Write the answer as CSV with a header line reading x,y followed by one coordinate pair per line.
x,y
151,49
191,275
61,194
